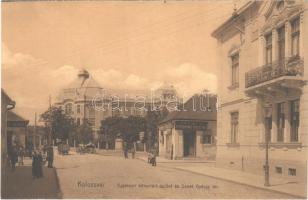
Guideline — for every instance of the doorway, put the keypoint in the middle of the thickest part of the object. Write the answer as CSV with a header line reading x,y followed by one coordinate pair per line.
x,y
189,143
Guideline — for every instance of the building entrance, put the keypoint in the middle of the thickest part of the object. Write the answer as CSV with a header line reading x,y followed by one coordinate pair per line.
x,y
189,143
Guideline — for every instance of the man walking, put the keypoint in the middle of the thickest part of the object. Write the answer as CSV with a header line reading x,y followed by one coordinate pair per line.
x,y
125,150
21,156
13,157
50,157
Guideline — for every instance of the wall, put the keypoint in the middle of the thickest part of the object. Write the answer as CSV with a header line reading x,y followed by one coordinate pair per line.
x,y
249,155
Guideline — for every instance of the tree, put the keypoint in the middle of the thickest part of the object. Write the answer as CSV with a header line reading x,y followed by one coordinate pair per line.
x,y
128,128
153,118
83,133
61,124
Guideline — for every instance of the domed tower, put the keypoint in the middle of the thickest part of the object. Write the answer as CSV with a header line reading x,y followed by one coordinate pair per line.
x,y
167,94
81,99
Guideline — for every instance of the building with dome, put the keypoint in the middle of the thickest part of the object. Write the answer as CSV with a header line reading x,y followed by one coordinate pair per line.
x,y
86,100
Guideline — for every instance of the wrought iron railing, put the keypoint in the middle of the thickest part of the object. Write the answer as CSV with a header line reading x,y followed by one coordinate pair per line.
x,y
292,66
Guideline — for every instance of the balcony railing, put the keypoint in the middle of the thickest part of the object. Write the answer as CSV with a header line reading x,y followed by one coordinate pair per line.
x,y
293,66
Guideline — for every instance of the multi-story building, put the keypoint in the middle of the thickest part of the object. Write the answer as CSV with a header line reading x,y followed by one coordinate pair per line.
x,y
77,98
84,99
262,56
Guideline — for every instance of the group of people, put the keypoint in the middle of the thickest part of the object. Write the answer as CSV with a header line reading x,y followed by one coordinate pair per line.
x,y
17,153
38,161
129,148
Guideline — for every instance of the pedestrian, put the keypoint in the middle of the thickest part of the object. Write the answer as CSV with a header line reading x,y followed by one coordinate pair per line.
x,y
125,150
13,157
21,154
40,164
133,150
153,156
34,164
50,157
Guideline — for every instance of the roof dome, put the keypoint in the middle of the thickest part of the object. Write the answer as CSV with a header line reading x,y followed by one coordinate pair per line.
x,y
83,85
83,74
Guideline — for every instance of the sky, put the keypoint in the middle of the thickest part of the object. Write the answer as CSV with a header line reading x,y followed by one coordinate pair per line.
x,y
132,45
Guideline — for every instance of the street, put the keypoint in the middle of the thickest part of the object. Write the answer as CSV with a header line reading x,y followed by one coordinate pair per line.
x,y
98,176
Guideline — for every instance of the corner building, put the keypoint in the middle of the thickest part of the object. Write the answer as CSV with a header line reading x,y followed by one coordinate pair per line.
x,y
262,53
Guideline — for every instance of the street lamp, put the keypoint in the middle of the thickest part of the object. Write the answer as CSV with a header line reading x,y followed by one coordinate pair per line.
x,y
267,121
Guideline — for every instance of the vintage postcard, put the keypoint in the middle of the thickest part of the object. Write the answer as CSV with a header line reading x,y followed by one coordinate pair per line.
x,y
154,99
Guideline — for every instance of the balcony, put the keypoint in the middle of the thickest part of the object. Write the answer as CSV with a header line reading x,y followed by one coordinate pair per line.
x,y
290,67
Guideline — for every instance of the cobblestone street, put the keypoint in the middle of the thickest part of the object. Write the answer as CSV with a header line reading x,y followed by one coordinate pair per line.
x,y
97,176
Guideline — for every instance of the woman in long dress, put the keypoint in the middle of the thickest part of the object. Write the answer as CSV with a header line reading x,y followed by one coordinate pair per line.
x,y
34,164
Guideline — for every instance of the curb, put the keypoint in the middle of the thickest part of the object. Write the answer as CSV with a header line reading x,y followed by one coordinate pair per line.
x,y
176,162
232,181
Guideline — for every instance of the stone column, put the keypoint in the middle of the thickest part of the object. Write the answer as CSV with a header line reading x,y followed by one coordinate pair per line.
x,y
174,143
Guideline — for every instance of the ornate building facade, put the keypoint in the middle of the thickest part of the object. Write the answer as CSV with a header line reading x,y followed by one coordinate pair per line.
x,y
84,99
264,49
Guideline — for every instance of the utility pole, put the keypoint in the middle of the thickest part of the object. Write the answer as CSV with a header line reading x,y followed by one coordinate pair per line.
x,y
268,112
50,127
34,128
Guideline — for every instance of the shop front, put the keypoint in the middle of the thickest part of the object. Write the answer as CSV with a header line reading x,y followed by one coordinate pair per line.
x,y
187,138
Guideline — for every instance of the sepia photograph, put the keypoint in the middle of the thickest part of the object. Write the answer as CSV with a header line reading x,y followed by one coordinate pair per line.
x,y
154,99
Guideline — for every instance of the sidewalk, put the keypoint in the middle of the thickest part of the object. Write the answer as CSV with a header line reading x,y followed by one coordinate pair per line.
x,y
112,152
279,185
21,185
165,160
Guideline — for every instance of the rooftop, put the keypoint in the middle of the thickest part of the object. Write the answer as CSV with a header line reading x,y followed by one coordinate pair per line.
x,y
13,117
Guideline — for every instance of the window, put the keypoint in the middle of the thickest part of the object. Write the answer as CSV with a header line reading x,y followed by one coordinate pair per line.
x,y
278,170
235,70
68,108
234,127
292,172
281,44
269,128
268,49
162,137
295,32
207,137
78,121
78,108
280,121
92,121
294,120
